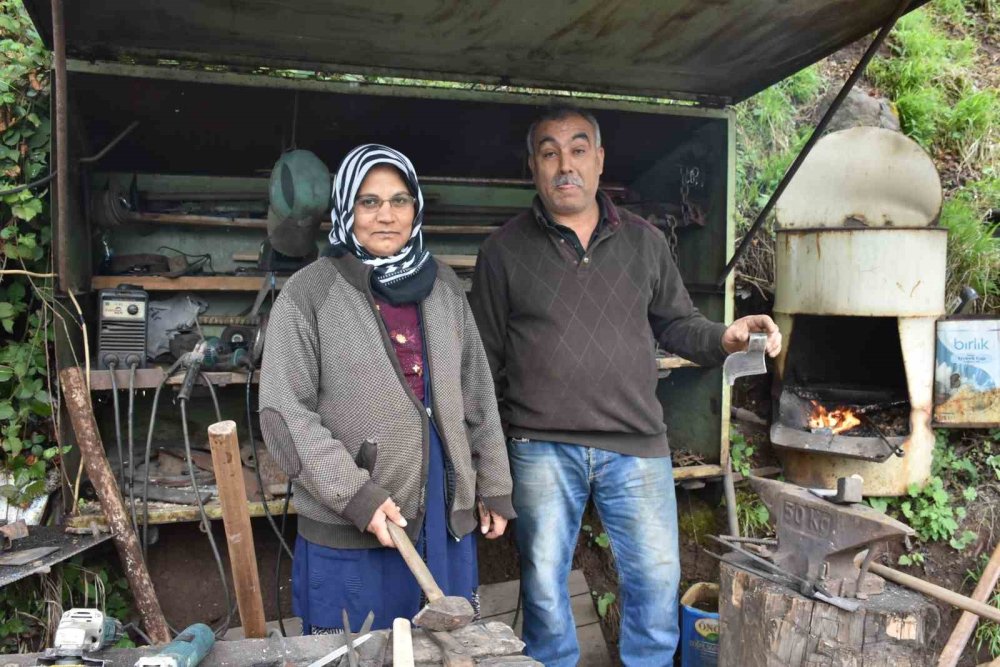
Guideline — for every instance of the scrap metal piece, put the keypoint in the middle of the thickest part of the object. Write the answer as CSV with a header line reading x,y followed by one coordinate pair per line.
x,y
26,556
818,540
848,491
749,362
12,531
352,654
336,653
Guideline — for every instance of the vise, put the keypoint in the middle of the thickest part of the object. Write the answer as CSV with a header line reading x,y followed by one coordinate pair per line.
x,y
819,540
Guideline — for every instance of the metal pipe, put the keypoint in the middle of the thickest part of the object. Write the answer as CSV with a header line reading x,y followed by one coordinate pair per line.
x,y
817,133
114,142
62,145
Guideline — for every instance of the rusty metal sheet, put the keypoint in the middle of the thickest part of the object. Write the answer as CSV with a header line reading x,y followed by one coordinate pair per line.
x,y
716,52
56,544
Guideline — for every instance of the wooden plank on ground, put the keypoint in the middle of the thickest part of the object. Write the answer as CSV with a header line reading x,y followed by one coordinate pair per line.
x,y
498,601
495,599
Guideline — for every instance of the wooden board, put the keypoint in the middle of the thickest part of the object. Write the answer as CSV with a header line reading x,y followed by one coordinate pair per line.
x,y
490,643
498,601
226,283
160,513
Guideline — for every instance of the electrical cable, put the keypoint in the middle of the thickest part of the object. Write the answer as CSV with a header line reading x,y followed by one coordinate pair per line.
x,y
277,561
206,524
260,479
112,365
131,445
27,186
149,446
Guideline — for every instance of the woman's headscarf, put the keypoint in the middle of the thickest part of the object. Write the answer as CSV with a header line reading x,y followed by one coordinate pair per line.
x,y
407,276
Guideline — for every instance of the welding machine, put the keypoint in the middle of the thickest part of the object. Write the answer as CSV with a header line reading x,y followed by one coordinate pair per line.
x,y
122,327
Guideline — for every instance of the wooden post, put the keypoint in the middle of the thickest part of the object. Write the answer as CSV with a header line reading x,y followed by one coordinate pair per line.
x,y
967,622
239,534
765,624
99,471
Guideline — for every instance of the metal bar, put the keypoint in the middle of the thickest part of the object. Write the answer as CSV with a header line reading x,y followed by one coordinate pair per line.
x,y
817,133
114,142
62,146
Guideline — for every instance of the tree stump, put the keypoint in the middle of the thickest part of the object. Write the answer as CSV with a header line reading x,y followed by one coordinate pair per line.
x,y
765,624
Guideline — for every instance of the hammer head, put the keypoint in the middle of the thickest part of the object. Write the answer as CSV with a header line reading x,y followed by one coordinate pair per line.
x,y
445,614
749,362
818,540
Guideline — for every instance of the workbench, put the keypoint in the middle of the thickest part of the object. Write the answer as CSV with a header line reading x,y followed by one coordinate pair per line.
x,y
492,644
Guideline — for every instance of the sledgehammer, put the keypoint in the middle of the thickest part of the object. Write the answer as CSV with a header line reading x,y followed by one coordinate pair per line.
x,y
442,614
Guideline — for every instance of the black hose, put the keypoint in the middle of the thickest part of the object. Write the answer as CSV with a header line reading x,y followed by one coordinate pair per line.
x,y
149,447
277,561
260,479
112,365
131,445
204,518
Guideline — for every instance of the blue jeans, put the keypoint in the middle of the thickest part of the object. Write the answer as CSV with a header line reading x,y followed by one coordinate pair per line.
x,y
635,499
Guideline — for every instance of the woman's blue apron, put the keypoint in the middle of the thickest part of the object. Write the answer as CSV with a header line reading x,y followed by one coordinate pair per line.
x,y
325,581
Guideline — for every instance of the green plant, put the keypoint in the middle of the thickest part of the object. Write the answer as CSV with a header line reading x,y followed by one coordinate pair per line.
x,y
604,602
752,514
740,452
28,445
29,607
987,632
912,558
933,511
602,540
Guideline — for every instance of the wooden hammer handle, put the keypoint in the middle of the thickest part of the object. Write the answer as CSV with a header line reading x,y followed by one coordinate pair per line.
x,y
414,562
933,590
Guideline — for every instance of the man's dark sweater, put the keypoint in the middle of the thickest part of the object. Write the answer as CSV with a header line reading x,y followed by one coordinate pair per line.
x,y
571,339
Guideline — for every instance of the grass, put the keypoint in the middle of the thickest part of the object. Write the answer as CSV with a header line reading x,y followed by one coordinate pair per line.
x,y
987,632
974,245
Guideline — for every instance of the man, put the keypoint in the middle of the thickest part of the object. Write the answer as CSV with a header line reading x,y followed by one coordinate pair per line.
x,y
570,298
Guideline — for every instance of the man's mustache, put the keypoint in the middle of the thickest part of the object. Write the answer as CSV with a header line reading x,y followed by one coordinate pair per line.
x,y
567,179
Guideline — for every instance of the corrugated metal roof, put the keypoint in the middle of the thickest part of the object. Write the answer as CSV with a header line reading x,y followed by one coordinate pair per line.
x,y
715,51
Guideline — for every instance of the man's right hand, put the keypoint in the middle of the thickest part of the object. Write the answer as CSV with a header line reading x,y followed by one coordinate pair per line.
x,y
387,511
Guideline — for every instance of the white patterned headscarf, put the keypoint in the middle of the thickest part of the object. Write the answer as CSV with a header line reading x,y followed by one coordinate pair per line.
x,y
388,272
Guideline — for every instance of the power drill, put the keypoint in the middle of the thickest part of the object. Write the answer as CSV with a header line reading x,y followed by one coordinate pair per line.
x,y
81,631
187,650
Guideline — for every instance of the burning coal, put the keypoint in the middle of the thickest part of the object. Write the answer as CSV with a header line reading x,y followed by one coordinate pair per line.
x,y
837,420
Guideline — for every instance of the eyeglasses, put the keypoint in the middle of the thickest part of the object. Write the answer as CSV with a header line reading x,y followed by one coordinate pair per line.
x,y
371,203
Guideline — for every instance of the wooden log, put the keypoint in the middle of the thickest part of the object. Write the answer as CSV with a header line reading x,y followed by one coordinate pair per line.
x,y
765,624
239,534
99,471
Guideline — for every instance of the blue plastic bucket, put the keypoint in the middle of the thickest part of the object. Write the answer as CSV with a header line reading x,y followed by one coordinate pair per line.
x,y
700,626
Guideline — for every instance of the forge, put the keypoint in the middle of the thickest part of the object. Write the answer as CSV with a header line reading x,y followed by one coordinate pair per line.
x,y
860,277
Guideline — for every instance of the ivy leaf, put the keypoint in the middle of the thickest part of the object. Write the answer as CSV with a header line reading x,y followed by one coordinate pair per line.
x,y
16,292
27,210
6,309
6,410
14,446
6,373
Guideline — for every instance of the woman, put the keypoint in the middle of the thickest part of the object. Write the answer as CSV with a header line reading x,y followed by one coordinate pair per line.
x,y
376,398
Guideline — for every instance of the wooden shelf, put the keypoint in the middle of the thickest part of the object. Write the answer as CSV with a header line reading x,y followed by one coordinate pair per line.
x,y
163,513
150,378
166,513
185,283
248,283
